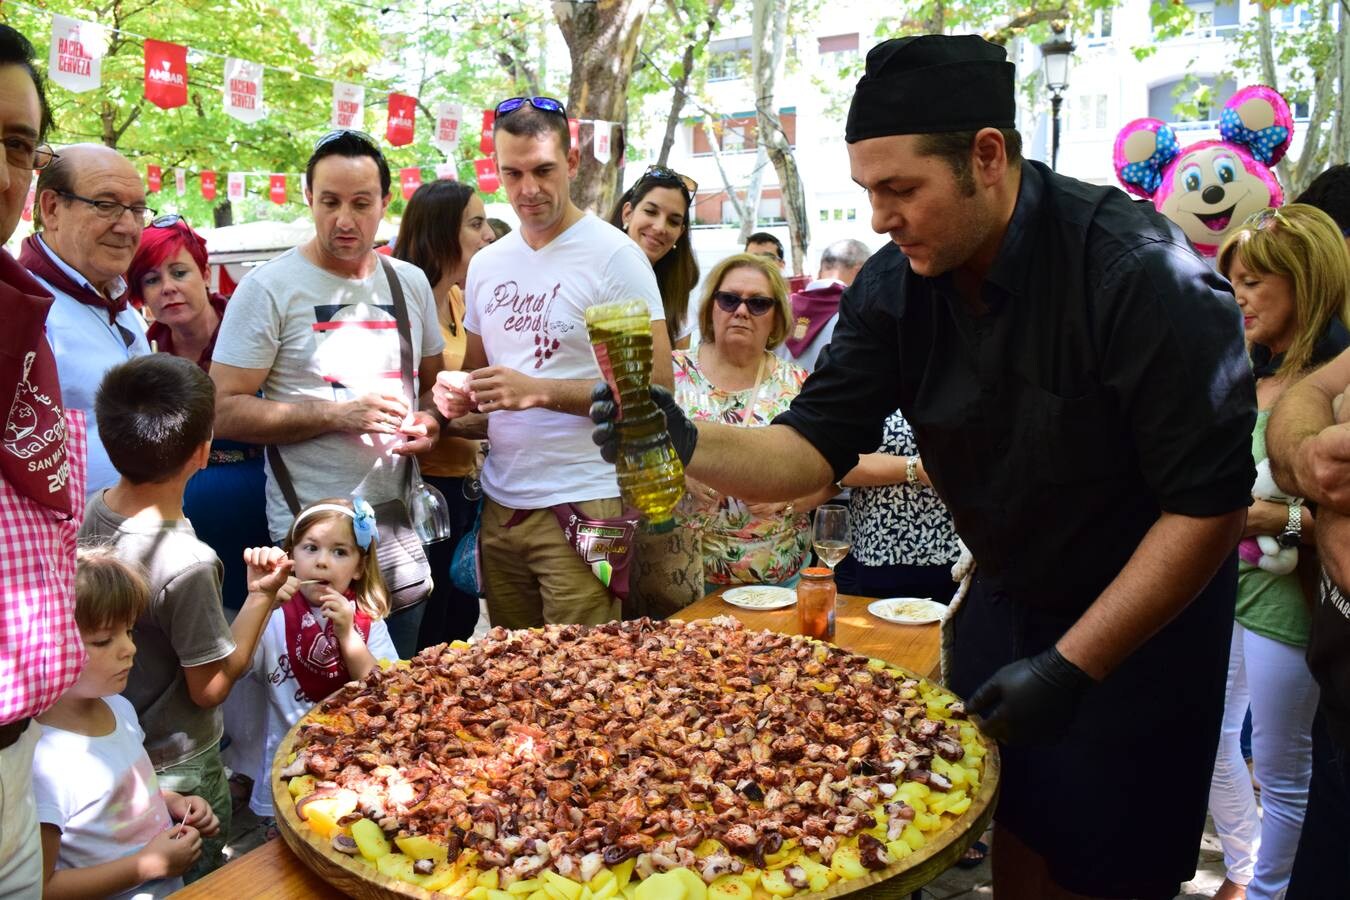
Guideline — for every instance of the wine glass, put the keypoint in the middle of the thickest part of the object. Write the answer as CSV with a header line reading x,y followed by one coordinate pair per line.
x,y
830,534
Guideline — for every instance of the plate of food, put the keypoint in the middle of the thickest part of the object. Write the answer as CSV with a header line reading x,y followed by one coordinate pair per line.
x,y
646,760
907,610
761,596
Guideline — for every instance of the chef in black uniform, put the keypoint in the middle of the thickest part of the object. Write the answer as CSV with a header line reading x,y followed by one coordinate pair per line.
x,y
1076,379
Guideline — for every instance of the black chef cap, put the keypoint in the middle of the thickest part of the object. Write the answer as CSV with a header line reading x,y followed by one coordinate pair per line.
x,y
931,84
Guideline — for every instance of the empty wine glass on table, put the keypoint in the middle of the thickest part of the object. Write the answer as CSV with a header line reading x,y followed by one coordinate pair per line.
x,y
830,535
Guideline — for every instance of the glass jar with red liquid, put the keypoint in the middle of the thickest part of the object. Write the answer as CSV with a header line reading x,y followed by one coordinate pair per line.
x,y
816,593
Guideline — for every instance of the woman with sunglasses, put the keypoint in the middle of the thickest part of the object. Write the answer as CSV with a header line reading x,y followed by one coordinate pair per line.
x,y
444,225
1291,277
168,277
654,212
733,377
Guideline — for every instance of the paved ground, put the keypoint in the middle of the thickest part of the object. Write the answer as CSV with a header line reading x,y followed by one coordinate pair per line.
x,y
956,884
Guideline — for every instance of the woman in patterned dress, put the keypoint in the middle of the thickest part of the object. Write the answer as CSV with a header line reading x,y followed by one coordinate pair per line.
x,y
733,377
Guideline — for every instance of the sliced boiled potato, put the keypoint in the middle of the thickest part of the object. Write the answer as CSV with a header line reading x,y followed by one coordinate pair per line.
x,y
565,887
322,814
396,865
660,886
846,864
913,836
370,840
440,877
607,891
525,886
623,872
477,893
729,887
601,878
422,847
499,895
694,887
776,883
489,879
301,786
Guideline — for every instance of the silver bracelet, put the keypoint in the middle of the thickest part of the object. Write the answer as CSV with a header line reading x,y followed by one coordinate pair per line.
x,y
911,470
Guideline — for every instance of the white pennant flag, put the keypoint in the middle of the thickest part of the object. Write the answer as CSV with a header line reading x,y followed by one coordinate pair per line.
x,y
604,131
447,171
76,58
243,89
448,119
349,106
236,188
180,181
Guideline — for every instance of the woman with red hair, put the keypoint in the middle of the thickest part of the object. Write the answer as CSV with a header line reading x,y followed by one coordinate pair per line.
x,y
224,501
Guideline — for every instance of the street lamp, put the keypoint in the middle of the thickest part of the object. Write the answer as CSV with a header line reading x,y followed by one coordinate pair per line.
x,y
1055,57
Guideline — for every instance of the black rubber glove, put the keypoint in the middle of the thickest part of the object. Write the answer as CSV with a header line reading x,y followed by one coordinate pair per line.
x,y
1032,700
683,434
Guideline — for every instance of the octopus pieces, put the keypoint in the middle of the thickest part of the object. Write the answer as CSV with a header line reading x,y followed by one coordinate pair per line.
x,y
654,760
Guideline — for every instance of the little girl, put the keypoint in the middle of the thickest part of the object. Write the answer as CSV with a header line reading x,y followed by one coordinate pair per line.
x,y
107,828
329,631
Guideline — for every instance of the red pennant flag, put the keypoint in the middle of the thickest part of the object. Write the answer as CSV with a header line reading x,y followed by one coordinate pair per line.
x,y
485,142
208,185
486,168
29,200
166,74
574,131
154,179
277,189
402,117
411,179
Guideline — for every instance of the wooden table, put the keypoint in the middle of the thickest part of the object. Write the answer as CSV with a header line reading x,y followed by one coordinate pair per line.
x,y
272,871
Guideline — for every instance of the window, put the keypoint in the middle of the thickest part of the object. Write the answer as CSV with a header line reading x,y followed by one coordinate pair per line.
x,y
1086,112
1213,18
727,59
770,209
1290,15
737,132
1300,109
1208,96
838,50
1100,29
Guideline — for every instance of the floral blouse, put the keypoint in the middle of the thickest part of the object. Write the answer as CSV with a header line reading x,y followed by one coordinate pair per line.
x,y
900,524
739,548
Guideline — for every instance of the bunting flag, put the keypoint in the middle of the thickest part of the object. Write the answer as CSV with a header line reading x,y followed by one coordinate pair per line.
x,y
30,199
243,89
349,106
486,170
154,179
208,185
76,58
604,132
446,135
402,118
180,181
235,186
485,144
276,189
574,131
166,75
410,179
446,171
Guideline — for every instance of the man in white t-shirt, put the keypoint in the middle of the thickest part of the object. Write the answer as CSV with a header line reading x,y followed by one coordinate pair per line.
x,y
531,370
315,331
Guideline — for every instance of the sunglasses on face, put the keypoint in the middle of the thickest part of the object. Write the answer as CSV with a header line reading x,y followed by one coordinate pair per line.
x,y
545,104
338,133
662,173
729,302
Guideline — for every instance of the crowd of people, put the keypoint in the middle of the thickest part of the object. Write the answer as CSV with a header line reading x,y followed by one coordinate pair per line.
x,y
204,519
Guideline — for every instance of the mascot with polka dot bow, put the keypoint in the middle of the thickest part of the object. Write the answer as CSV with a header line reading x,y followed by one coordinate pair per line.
x,y
1209,188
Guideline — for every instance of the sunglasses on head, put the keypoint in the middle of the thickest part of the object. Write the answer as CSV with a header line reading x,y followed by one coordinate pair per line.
x,y
663,173
545,104
339,133
168,220
729,302
1264,218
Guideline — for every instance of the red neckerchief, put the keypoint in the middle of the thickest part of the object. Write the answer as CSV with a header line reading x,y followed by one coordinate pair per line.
x,y
36,258
810,311
33,452
312,647
161,336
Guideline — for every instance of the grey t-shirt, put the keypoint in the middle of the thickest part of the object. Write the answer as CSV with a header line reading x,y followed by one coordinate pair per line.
x,y
324,337
183,626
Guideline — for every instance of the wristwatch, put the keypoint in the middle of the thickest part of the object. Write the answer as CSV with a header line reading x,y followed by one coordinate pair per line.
x,y
1293,529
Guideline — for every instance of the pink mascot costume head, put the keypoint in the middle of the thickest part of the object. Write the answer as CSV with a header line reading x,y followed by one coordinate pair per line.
x,y
1210,187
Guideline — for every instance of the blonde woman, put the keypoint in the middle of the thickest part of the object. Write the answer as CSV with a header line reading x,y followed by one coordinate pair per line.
x,y
1291,277
733,377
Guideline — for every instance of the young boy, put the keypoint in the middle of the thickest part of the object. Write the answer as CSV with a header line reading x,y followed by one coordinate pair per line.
x,y
155,414
108,829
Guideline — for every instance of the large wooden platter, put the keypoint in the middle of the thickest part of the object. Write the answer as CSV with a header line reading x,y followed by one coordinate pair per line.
x,y
358,878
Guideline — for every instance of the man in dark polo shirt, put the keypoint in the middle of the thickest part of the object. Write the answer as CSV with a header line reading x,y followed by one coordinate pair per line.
x,y
1076,379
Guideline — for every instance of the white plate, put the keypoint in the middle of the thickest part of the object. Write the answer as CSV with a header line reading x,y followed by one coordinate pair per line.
x,y
907,610
761,596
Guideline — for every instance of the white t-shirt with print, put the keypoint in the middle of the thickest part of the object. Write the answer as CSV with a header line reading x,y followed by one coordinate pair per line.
x,y
285,703
529,308
103,794
324,337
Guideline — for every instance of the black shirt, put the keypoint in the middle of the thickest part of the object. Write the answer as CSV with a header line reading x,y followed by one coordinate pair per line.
x,y
1106,382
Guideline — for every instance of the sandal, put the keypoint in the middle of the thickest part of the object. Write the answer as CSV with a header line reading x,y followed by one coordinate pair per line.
x,y
974,856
